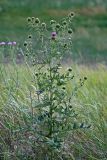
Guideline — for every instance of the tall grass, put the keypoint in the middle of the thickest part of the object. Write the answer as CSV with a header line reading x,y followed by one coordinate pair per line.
x,y
90,102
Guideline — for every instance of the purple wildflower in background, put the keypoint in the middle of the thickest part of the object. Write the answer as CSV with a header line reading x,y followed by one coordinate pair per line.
x,y
2,43
14,43
8,43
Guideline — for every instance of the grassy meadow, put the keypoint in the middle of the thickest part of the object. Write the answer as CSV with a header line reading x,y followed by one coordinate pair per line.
x,y
90,103
17,80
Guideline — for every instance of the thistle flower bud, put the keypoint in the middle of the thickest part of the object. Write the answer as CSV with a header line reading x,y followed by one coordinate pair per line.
x,y
29,19
33,18
36,74
37,20
53,38
70,69
58,25
85,78
65,45
70,31
25,44
70,106
64,22
43,25
71,15
29,36
52,22
63,88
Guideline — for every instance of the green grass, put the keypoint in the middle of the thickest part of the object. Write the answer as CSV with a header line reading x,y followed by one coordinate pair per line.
x,y
90,102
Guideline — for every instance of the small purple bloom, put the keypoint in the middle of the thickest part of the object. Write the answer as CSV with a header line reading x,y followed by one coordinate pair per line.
x,y
14,43
53,34
2,43
9,43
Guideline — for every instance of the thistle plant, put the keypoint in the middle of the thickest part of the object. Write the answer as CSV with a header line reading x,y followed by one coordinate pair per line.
x,y
49,115
53,115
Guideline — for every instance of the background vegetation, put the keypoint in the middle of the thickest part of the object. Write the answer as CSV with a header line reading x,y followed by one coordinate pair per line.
x,y
90,25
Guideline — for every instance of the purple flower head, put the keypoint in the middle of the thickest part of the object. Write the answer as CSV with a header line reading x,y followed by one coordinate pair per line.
x,y
2,43
14,43
54,34
9,43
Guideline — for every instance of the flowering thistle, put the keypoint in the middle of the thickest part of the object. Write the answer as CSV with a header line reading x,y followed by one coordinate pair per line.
x,y
53,34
